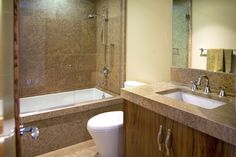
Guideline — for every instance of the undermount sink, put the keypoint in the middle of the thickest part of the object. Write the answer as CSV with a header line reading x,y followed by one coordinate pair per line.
x,y
203,102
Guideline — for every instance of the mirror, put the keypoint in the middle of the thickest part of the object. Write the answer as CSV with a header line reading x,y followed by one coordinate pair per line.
x,y
204,35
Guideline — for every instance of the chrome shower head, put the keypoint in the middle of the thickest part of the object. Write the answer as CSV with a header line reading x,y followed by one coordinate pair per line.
x,y
91,16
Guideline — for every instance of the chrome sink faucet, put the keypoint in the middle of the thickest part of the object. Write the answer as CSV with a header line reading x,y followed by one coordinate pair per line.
x,y
222,91
198,82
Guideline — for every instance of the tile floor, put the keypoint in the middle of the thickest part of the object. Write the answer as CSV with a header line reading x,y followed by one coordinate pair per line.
x,y
85,149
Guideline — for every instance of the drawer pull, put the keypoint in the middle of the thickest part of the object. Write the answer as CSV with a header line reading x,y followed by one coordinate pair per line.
x,y
167,142
160,137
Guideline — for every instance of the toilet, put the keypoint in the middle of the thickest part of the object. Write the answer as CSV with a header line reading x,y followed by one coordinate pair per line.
x,y
106,130
133,84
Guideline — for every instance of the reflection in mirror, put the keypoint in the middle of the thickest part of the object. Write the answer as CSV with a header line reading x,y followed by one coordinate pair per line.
x,y
180,34
210,27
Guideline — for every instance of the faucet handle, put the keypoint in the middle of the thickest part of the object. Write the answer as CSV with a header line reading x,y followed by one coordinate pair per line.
x,y
222,91
34,131
207,89
194,85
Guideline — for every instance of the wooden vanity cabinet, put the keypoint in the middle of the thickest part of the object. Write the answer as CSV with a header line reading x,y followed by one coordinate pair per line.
x,y
141,137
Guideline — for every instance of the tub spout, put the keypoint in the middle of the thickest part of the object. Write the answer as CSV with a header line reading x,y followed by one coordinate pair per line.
x,y
33,130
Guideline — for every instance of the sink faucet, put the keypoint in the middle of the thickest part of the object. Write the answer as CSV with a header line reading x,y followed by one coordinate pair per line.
x,y
222,91
198,82
194,85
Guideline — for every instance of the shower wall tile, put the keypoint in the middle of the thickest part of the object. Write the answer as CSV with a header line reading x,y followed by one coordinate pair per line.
x,y
86,62
114,26
88,37
33,31
61,49
58,46
112,30
114,8
59,37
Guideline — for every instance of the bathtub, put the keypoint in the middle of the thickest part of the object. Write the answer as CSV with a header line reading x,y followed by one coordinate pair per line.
x,y
57,100
62,118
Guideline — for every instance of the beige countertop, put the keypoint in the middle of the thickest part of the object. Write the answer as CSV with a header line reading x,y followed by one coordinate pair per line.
x,y
219,122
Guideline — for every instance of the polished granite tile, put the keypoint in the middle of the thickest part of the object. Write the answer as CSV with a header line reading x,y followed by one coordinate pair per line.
x,y
84,149
63,127
216,79
58,46
62,50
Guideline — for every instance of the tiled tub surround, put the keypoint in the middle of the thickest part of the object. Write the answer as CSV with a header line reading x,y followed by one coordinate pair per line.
x,y
61,48
58,46
219,122
216,79
63,127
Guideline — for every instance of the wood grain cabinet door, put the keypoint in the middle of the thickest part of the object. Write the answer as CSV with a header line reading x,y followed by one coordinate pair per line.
x,y
181,140
187,142
141,130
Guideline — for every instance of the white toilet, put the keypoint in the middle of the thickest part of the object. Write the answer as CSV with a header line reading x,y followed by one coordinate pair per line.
x,y
106,130
133,84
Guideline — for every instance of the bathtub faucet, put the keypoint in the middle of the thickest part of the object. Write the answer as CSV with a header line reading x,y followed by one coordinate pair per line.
x,y
33,130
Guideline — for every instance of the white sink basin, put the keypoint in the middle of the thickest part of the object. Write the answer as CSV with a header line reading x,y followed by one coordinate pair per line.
x,y
206,103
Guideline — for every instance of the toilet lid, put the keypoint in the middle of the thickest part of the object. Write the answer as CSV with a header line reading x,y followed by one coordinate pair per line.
x,y
106,120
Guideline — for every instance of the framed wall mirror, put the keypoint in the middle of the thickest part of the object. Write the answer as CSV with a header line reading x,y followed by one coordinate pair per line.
x,y
204,35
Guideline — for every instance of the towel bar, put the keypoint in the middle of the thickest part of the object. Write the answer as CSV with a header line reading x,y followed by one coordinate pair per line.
x,y
204,53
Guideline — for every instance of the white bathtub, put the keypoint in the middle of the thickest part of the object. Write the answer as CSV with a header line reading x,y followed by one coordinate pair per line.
x,y
45,102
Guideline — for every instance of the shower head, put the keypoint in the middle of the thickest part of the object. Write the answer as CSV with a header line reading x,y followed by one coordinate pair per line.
x,y
91,16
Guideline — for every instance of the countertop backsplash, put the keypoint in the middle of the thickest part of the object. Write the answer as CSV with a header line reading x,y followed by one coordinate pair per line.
x,y
216,79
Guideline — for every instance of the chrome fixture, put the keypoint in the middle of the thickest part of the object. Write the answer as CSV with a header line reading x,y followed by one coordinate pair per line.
x,y
198,82
222,91
207,87
104,15
103,96
91,16
33,130
194,85
105,71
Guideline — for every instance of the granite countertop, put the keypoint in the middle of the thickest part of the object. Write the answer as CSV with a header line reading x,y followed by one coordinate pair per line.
x,y
219,122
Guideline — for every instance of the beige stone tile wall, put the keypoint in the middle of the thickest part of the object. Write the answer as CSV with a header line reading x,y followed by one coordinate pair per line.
x,y
61,49
113,45
58,46
216,79
61,131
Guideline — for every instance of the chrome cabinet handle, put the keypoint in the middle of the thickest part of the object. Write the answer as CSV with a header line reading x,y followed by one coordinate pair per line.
x,y
167,142
160,137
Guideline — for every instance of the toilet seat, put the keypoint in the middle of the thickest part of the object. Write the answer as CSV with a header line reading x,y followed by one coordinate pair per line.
x,y
106,121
